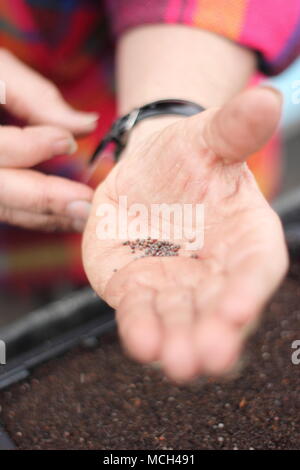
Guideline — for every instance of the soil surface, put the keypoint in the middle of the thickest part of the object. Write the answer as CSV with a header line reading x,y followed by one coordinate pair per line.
x,y
98,399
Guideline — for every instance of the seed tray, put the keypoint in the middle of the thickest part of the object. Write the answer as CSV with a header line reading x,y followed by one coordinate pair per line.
x,y
80,317
5,441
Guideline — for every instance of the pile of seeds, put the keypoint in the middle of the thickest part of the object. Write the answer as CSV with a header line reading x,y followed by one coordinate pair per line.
x,y
153,247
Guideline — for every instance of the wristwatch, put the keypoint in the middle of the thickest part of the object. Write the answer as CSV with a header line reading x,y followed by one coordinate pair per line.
x,y
122,127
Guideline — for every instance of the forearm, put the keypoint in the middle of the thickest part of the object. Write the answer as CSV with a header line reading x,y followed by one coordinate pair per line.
x,y
163,61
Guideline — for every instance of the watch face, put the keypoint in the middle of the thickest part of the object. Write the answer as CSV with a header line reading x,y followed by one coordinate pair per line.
x,y
101,165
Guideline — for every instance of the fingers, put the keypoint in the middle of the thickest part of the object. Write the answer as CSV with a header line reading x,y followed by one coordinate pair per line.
x,y
21,148
27,191
234,312
175,309
139,326
198,331
40,222
252,279
244,125
217,345
159,326
248,290
33,98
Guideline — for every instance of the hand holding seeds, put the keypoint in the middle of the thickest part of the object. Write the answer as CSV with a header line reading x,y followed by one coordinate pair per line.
x,y
192,312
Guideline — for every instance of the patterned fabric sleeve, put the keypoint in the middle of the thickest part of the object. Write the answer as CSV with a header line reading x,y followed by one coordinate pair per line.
x,y
270,27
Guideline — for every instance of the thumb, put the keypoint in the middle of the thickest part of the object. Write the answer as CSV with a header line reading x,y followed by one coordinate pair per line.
x,y
244,125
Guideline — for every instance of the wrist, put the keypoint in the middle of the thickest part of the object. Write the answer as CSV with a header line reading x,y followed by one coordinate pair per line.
x,y
157,61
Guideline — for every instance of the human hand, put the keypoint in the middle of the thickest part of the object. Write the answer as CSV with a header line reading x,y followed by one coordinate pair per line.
x,y
193,315
28,198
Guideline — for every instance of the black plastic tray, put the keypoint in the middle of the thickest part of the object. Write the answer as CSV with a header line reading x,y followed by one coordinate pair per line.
x,y
80,317
5,441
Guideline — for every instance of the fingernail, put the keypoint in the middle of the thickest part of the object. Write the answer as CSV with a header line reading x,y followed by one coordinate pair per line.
x,y
78,210
90,119
65,146
79,225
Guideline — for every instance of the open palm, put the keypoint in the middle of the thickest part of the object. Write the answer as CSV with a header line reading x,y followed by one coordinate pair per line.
x,y
193,314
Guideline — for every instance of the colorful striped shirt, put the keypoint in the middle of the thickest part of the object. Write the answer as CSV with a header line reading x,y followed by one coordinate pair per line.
x,y
72,43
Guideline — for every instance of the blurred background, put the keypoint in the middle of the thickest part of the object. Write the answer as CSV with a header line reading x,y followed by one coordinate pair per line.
x,y
288,83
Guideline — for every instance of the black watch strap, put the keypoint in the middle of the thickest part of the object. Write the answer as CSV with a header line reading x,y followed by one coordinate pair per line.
x,y
121,128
